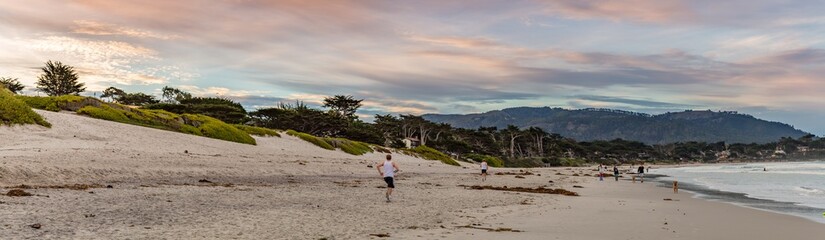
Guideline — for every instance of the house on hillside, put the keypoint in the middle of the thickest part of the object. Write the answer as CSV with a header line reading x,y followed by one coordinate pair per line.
x,y
411,142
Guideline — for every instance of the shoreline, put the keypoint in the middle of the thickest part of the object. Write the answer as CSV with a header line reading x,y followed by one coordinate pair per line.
x,y
746,201
627,210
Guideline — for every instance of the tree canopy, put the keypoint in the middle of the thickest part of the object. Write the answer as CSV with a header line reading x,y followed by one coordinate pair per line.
x,y
12,84
59,79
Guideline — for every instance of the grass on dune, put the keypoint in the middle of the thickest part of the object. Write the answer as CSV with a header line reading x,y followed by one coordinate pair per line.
x,y
311,139
185,123
491,160
431,154
54,104
258,131
346,145
14,111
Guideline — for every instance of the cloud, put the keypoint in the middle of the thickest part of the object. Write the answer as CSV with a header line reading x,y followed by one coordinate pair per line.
x,y
458,42
633,10
731,13
98,28
635,102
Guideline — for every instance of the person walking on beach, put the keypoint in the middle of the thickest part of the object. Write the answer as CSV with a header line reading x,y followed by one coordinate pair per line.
x,y
642,172
616,172
387,169
601,172
483,170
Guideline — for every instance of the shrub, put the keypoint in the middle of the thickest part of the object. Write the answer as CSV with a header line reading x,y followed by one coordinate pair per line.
x,y
13,111
349,146
346,145
53,104
215,128
432,154
312,139
491,160
194,124
105,113
258,131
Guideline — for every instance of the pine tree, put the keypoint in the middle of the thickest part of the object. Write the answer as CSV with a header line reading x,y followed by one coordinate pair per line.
x,y
59,79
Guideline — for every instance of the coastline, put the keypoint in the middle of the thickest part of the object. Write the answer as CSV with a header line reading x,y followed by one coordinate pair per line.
x,y
743,200
171,185
625,210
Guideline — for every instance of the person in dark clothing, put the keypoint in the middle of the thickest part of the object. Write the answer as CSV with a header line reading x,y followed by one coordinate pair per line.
x,y
642,172
616,172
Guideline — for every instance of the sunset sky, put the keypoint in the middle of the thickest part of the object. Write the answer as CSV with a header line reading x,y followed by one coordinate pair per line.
x,y
764,58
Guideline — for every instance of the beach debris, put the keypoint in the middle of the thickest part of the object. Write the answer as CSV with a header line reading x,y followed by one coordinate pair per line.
x,y
204,181
522,173
501,229
519,176
109,186
523,189
88,215
558,173
36,226
577,186
551,181
186,151
381,235
668,199
18,193
67,186
575,175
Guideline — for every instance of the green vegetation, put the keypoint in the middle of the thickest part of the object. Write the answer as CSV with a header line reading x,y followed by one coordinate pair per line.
x,y
13,111
224,109
214,128
491,160
349,146
12,84
257,131
187,123
346,145
54,104
431,154
312,139
59,79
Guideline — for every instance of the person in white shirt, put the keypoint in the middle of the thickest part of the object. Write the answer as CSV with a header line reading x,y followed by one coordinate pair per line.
x,y
601,172
388,169
483,170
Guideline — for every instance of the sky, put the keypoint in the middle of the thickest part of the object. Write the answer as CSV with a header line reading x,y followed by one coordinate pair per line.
x,y
763,58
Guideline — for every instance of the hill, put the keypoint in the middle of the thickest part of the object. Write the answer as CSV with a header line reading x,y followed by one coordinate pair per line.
x,y
607,124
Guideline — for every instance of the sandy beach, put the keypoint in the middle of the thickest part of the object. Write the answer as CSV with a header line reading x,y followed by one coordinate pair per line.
x,y
145,183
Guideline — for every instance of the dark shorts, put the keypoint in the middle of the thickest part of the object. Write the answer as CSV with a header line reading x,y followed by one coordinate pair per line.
x,y
389,181
483,170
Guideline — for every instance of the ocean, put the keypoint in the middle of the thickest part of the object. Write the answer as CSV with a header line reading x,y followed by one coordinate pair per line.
x,y
796,188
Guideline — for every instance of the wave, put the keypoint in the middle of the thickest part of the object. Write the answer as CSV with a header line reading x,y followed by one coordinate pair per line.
x,y
810,191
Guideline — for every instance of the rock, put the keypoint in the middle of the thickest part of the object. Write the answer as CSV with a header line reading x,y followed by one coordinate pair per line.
x,y
186,151
36,226
381,235
109,186
204,181
577,186
518,176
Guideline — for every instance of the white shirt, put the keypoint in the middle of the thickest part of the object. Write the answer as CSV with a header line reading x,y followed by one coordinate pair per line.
x,y
483,166
389,170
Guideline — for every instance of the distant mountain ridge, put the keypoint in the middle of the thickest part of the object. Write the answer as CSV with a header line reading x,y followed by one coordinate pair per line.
x,y
607,124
